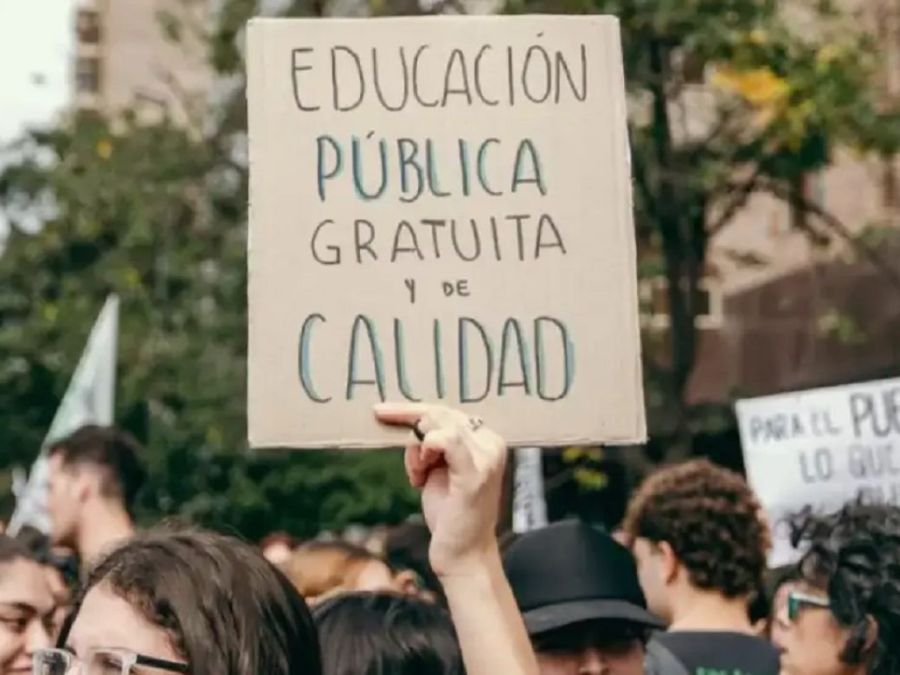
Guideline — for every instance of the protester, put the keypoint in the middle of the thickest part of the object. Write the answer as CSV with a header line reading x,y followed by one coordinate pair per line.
x,y
784,584
277,547
27,607
458,464
842,615
386,634
406,551
700,545
186,602
95,476
60,569
205,604
578,592
319,569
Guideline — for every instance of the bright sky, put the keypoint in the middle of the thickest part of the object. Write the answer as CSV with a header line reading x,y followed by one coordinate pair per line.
x,y
37,41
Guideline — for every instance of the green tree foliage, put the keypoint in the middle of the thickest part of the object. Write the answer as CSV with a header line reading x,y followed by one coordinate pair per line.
x,y
776,87
156,212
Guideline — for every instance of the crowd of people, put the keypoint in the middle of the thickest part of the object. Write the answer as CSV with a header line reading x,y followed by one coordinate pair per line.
x,y
682,588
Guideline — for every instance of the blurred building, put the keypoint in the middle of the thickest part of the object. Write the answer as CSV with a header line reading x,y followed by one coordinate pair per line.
x,y
783,313
146,54
780,313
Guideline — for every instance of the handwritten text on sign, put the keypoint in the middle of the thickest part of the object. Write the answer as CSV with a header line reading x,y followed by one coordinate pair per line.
x,y
821,448
440,212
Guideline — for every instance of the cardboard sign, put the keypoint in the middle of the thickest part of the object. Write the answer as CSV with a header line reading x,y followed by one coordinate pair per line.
x,y
821,448
441,212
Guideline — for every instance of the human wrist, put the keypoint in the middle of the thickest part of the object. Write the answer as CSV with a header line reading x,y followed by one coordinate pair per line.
x,y
476,562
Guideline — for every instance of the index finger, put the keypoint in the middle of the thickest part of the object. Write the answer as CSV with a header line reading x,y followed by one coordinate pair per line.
x,y
401,414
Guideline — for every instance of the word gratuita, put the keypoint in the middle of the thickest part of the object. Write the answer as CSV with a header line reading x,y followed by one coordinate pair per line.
x,y
518,365
409,168
430,78
514,237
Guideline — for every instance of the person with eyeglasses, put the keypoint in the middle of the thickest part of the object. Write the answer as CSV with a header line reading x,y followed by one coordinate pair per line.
x,y
206,604
841,612
185,602
27,607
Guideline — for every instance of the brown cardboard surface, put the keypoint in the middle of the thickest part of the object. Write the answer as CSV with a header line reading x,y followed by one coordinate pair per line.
x,y
471,174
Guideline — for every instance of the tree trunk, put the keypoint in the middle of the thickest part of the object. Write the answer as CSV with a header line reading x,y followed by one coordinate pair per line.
x,y
674,219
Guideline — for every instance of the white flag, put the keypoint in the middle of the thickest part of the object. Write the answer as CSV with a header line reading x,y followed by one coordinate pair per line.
x,y
90,399
529,505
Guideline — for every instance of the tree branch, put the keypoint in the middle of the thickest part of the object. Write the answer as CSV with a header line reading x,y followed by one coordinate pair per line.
x,y
834,224
739,196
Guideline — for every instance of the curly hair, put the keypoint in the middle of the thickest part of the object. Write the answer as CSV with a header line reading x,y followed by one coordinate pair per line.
x,y
712,521
854,555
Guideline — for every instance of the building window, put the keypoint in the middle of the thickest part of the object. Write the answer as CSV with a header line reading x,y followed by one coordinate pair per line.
x,y
655,304
87,75
88,26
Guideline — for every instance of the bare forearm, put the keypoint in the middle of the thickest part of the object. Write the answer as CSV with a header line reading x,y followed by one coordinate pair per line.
x,y
490,629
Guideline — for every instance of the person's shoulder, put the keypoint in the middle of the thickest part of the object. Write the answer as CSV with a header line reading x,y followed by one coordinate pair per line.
x,y
751,654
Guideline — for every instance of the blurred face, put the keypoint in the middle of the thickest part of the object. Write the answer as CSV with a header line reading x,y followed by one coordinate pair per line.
x,y
108,622
591,648
277,553
26,614
374,576
62,501
808,635
653,568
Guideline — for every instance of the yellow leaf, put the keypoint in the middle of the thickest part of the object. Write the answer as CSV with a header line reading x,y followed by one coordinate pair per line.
x,y
591,479
758,36
572,454
760,86
104,149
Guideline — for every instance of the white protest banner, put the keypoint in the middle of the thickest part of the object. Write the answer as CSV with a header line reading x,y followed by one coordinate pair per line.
x,y
440,211
89,399
529,502
821,448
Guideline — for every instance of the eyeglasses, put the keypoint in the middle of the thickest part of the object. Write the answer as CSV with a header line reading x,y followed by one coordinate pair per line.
x,y
98,662
796,601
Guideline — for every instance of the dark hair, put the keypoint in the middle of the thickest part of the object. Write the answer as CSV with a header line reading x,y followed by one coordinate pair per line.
x,y
406,548
854,555
710,518
386,634
226,609
114,451
12,549
40,548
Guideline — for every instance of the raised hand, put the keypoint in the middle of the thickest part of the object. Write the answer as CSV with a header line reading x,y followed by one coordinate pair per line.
x,y
458,464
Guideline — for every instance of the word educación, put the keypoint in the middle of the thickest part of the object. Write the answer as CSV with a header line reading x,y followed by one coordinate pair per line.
x,y
529,357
